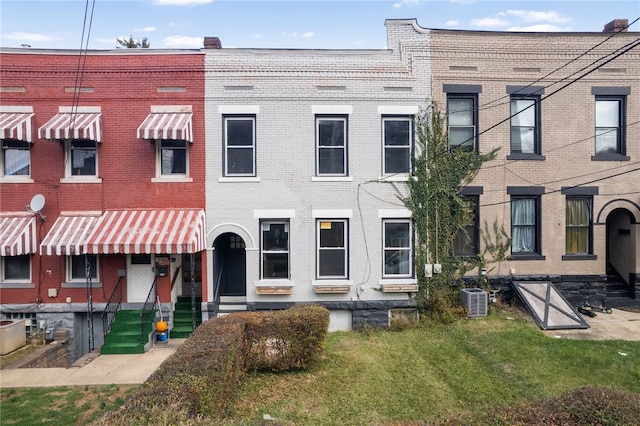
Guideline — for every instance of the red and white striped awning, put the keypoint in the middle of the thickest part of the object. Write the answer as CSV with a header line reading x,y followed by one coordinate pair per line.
x,y
17,233
16,125
164,231
167,125
69,234
68,125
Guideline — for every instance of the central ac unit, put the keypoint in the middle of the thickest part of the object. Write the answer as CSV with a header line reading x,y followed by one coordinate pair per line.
x,y
475,300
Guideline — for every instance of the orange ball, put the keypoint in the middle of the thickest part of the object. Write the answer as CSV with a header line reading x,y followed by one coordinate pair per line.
x,y
161,326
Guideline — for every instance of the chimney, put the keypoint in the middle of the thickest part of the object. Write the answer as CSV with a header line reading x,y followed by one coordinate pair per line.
x,y
212,43
616,25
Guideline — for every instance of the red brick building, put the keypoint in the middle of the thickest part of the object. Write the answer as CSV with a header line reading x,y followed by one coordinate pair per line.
x,y
102,162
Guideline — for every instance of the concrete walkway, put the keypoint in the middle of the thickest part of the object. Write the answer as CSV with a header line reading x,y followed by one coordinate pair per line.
x,y
93,369
618,325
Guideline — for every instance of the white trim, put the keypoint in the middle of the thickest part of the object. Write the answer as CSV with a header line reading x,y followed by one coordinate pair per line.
x,y
172,179
274,214
331,179
332,109
331,213
171,108
332,282
79,109
274,283
394,213
81,179
225,179
398,109
238,109
399,281
16,109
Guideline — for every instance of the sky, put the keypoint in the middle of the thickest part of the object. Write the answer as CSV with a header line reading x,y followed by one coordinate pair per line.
x,y
295,24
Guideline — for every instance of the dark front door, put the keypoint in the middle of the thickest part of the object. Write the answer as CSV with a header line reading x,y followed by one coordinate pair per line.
x,y
230,265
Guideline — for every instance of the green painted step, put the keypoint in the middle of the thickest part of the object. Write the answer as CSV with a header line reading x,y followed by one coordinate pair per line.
x,y
182,323
122,348
126,335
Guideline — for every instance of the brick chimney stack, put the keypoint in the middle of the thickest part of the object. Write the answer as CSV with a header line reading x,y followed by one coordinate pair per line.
x,y
616,25
212,43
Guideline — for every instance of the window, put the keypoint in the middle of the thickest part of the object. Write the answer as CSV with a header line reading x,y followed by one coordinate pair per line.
x,y
275,249
610,125
398,144
16,268
398,248
77,267
466,243
462,116
525,125
173,157
240,145
578,226
525,225
16,158
331,145
332,251
83,157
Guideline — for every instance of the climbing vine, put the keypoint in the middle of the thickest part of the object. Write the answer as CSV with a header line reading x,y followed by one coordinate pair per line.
x,y
433,196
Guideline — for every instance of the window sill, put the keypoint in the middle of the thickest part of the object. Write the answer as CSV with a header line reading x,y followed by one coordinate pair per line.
x,y
81,284
522,156
16,284
226,179
399,285
81,179
579,257
400,177
331,286
610,157
527,257
278,286
171,179
331,179
15,179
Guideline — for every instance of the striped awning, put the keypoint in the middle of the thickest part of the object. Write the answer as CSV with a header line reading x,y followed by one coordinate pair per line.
x,y
167,125
163,231
17,233
68,125
69,234
16,125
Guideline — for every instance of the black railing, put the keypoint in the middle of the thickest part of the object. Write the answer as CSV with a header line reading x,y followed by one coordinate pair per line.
x,y
113,306
148,311
216,291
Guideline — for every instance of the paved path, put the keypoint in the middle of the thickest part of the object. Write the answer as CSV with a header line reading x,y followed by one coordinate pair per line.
x,y
618,325
93,370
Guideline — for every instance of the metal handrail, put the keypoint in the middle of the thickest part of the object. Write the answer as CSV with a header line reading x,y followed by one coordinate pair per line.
x,y
148,309
113,306
216,292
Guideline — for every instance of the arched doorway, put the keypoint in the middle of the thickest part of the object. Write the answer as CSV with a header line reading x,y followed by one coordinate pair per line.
x,y
229,265
621,256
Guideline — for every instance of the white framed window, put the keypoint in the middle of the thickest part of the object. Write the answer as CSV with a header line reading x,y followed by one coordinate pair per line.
x,y
81,158
332,249
274,248
76,267
16,158
397,237
462,114
239,145
16,268
331,145
173,157
397,133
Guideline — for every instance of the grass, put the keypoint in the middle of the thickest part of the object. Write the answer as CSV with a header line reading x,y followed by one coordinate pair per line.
x,y
389,378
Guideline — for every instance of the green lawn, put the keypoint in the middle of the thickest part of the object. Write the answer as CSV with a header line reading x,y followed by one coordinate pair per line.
x,y
390,377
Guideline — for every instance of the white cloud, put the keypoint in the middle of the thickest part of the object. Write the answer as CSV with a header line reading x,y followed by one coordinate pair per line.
x,y
489,22
309,34
181,2
31,37
144,30
289,35
452,23
540,28
538,16
408,3
183,41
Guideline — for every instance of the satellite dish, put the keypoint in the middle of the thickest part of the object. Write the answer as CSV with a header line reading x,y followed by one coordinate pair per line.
x,y
37,203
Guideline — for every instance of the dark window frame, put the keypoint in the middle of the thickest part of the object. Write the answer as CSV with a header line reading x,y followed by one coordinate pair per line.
x,y
386,148
345,147
474,146
344,247
226,147
15,145
264,253
386,249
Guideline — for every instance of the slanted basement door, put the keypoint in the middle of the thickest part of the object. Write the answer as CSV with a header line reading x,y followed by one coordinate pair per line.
x,y
549,308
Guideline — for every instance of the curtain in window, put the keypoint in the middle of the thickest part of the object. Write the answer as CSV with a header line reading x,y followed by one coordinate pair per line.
x,y
577,233
523,225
